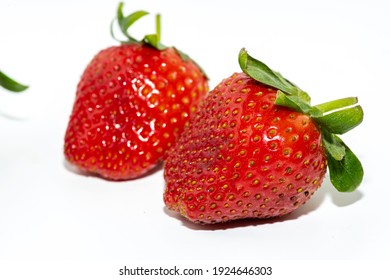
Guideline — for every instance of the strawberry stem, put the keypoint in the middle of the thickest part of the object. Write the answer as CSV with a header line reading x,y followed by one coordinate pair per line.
x,y
154,39
334,117
10,84
158,27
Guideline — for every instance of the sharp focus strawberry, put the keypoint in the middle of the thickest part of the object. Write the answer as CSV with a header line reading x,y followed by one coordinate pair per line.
x,y
256,148
132,102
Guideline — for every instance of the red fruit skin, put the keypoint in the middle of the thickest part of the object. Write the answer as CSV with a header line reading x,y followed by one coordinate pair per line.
x,y
131,104
243,157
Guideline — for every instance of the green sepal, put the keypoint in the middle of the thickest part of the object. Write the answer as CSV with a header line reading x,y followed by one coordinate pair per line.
x,y
346,174
153,40
333,147
334,117
128,21
296,103
125,22
337,104
262,73
10,84
341,121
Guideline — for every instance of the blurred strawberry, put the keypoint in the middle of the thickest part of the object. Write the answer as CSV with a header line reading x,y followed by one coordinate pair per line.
x,y
132,102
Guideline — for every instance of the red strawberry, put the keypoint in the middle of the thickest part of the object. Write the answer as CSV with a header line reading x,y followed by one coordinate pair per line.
x,y
256,148
132,102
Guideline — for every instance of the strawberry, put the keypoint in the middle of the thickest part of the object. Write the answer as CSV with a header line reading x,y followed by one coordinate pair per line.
x,y
132,102
256,148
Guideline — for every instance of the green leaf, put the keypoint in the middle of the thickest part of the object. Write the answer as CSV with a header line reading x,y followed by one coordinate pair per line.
x,y
296,103
262,73
346,174
119,12
334,117
154,39
333,147
341,121
10,84
128,21
337,104
300,93
125,22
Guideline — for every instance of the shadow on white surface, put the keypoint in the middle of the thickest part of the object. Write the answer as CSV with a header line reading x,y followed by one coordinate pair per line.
x,y
344,199
221,226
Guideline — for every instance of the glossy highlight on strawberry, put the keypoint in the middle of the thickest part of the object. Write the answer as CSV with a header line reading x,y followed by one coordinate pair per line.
x,y
132,102
255,151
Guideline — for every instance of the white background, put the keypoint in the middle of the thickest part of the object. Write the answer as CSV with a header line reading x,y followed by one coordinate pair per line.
x,y
331,49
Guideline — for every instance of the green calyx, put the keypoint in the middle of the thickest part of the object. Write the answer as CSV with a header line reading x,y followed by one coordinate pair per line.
x,y
125,22
153,40
333,118
10,84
